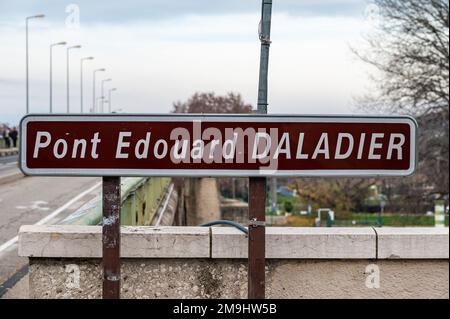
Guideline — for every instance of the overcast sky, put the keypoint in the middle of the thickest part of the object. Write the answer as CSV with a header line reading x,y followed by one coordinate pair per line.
x,y
161,51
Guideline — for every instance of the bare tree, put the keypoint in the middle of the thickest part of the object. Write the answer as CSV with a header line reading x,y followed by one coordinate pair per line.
x,y
211,103
341,194
411,51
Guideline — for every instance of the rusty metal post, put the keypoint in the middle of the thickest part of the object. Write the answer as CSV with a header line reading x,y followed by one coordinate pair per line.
x,y
257,185
111,237
257,238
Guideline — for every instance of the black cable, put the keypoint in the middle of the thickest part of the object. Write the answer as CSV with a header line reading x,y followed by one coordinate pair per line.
x,y
226,222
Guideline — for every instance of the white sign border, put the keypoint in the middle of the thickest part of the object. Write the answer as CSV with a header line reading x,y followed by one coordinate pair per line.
x,y
289,118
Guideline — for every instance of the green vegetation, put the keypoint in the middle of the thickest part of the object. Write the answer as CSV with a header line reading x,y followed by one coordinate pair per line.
x,y
292,205
343,218
393,220
288,206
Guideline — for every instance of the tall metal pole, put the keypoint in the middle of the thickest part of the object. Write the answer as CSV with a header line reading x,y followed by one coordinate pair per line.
x,y
93,89
262,100
102,96
51,74
26,67
257,185
67,80
81,81
266,19
27,61
93,94
102,100
51,80
81,86
111,237
98,104
67,73
109,99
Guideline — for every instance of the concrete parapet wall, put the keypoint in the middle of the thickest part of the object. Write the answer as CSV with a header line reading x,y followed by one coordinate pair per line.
x,y
8,151
227,278
193,262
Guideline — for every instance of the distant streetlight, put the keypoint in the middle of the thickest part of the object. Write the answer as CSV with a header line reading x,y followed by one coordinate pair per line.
x,y
51,72
98,102
27,60
103,95
81,80
93,88
67,80
109,99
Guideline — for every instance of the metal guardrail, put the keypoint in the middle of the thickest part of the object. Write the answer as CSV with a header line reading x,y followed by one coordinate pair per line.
x,y
164,205
140,200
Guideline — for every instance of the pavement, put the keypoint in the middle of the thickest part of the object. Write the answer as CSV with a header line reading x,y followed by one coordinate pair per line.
x,y
33,200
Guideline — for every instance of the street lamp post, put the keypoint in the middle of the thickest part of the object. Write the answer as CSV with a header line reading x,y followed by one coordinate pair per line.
x,y
109,99
81,80
103,95
67,80
93,88
51,72
98,102
37,16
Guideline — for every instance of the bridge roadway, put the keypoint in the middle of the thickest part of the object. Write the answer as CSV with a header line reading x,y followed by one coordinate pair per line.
x,y
8,165
34,200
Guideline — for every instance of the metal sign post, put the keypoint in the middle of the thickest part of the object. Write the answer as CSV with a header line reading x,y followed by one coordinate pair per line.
x,y
256,238
257,185
111,237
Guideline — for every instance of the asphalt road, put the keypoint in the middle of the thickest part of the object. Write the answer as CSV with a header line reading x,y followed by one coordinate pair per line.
x,y
31,200
9,159
8,164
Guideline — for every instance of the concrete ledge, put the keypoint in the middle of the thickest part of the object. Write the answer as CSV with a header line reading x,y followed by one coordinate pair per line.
x,y
66,241
413,243
165,242
8,151
175,262
299,243
70,241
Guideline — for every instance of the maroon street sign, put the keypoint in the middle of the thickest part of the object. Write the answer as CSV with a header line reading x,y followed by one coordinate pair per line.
x,y
218,145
